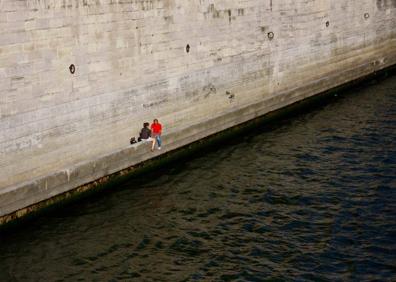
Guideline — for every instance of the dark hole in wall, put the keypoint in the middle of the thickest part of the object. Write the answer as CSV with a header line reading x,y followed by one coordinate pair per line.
x,y
327,24
382,5
188,48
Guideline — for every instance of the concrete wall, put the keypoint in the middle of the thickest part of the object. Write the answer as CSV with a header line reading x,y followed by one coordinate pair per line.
x,y
60,130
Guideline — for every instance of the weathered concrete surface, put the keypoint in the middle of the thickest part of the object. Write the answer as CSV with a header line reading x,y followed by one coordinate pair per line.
x,y
61,130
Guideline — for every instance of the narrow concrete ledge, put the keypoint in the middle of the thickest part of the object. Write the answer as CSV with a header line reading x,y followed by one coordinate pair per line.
x,y
17,201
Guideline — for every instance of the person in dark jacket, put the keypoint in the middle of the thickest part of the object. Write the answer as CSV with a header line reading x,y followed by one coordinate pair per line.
x,y
145,135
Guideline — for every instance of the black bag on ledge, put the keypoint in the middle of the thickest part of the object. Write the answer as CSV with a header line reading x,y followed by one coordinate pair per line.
x,y
133,140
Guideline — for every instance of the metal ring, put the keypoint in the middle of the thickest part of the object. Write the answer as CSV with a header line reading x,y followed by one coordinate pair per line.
x,y
366,15
72,69
270,35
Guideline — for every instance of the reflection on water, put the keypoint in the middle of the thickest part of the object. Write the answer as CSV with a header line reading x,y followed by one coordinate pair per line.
x,y
312,198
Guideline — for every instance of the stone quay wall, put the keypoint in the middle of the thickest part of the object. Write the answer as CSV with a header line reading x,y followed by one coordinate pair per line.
x,y
79,77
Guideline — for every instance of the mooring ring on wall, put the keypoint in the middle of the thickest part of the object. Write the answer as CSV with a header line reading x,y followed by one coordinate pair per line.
x,y
327,24
188,48
72,69
366,15
270,35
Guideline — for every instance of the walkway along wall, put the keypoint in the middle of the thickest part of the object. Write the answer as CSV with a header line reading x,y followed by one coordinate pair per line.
x,y
79,77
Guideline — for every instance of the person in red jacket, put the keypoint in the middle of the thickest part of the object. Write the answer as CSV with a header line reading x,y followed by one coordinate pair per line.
x,y
156,129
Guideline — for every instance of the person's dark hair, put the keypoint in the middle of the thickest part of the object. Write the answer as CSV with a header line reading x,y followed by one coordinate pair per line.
x,y
155,120
146,124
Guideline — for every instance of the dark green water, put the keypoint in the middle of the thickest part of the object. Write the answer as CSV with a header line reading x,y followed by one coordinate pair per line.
x,y
311,198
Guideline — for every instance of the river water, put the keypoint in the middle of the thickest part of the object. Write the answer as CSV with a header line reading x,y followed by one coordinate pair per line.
x,y
310,198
